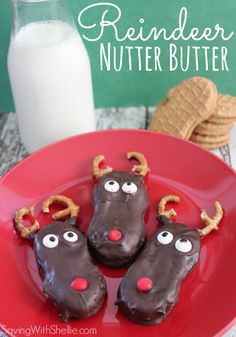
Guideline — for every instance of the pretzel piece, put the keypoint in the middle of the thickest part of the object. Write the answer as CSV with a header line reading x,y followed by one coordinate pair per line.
x,y
211,223
142,168
162,204
72,209
25,231
97,171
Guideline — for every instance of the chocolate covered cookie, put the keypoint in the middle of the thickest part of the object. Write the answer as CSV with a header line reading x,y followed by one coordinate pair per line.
x,y
117,231
71,280
150,288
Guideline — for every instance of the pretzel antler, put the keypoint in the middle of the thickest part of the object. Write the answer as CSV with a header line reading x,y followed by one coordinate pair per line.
x,y
162,204
97,171
72,209
143,167
211,223
25,231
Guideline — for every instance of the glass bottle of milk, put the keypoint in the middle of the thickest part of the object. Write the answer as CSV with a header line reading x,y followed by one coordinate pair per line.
x,y
49,72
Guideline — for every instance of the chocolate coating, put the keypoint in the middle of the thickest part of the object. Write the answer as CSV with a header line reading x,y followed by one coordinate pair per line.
x,y
166,267
121,211
62,265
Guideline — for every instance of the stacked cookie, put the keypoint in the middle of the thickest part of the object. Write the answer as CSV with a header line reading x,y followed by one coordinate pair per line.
x,y
195,110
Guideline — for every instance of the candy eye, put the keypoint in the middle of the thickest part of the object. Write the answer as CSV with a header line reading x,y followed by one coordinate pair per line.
x,y
183,245
129,187
70,236
112,186
165,237
50,241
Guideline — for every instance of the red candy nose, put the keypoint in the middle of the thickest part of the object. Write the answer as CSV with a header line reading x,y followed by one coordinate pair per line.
x,y
144,284
114,235
79,284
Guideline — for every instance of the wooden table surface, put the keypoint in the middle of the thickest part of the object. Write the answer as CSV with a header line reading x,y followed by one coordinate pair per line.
x,y
12,150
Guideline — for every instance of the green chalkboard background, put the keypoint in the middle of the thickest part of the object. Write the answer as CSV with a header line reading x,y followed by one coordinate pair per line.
x,y
133,88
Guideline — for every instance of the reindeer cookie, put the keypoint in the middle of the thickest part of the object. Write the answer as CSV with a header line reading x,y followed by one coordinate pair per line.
x,y
150,289
71,280
117,231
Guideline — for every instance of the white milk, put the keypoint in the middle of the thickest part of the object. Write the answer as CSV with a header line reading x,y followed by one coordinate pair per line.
x,y
50,76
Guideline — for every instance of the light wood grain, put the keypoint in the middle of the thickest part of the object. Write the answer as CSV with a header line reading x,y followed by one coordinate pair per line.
x,y
12,150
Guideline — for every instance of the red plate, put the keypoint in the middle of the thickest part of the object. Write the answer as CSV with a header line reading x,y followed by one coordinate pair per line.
x,y
207,305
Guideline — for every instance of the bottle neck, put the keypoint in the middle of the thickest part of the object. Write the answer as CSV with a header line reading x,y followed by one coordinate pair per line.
x,y
25,12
